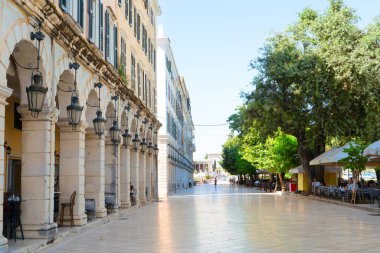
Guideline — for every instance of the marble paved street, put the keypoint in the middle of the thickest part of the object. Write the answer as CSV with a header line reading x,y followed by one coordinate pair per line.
x,y
233,219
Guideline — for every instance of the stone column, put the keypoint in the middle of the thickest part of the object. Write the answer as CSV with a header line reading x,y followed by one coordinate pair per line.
x,y
142,183
125,178
5,92
163,172
94,171
112,170
148,175
135,172
155,174
37,191
71,178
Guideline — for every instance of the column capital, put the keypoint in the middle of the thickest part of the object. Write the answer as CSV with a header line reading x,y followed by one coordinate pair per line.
x,y
47,114
5,92
65,127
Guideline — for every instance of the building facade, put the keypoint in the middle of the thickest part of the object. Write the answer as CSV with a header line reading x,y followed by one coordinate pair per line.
x,y
176,137
211,163
44,158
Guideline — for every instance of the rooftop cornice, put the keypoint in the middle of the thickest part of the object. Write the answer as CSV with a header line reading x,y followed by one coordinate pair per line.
x,y
63,28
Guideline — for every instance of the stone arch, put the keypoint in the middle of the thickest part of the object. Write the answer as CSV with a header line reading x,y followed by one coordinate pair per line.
x,y
91,107
124,121
61,65
110,114
133,126
22,59
63,97
16,30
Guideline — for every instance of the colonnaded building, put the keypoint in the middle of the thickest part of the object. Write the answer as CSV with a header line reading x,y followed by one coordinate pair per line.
x,y
77,106
176,137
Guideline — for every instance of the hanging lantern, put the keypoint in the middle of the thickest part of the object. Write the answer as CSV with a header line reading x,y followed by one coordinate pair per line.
x,y
127,140
143,145
136,142
36,93
99,123
115,133
150,148
155,150
74,111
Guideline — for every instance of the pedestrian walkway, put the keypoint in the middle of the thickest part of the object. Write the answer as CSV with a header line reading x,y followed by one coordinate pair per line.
x,y
232,219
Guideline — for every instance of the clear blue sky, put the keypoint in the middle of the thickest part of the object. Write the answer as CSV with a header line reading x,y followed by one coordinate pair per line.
x,y
213,42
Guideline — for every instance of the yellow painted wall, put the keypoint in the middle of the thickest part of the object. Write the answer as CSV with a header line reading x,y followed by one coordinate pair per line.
x,y
13,136
331,179
302,182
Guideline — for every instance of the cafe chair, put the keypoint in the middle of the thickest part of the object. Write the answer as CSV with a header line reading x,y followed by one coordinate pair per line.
x,y
70,206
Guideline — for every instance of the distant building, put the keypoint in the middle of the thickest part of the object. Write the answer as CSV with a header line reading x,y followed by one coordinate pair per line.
x,y
176,136
210,164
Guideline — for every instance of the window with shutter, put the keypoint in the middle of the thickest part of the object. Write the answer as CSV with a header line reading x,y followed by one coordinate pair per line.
x,y
143,85
115,40
123,59
101,26
126,9
149,95
154,60
133,72
149,54
143,38
80,13
130,13
90,19
135,21
138,28
107,35
64,5
138,80
151,16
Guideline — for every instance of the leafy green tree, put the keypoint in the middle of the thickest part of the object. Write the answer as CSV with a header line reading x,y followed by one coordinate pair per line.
x,y
316,81
232,160
355,159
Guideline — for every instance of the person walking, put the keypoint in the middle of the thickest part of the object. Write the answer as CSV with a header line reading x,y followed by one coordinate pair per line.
x,y
215,181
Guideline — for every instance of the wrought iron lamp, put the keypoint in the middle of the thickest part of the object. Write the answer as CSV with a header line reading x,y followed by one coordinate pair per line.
x,y
36,92
127,138
155,150
136,142
74,110
99,121
150,148
143,145
114,131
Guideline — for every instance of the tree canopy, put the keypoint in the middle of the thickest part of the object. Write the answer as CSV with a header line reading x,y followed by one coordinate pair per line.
x,y
318,81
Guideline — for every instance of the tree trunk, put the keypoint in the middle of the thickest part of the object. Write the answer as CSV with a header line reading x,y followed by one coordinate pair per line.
x,y
280,177
305,155
319,148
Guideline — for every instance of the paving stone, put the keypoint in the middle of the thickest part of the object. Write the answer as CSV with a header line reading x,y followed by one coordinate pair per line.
x,y
233,219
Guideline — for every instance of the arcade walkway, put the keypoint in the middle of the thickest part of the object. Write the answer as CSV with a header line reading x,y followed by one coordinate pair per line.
x,y
232,219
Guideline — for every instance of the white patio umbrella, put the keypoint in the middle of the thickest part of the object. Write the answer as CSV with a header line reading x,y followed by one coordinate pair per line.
x,y
373,149
330,157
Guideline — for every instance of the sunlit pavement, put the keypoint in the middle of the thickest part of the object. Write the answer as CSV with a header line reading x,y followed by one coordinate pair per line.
x,y
233,219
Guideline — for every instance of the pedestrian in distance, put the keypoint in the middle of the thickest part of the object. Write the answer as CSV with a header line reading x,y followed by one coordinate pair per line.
x,y
216,180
